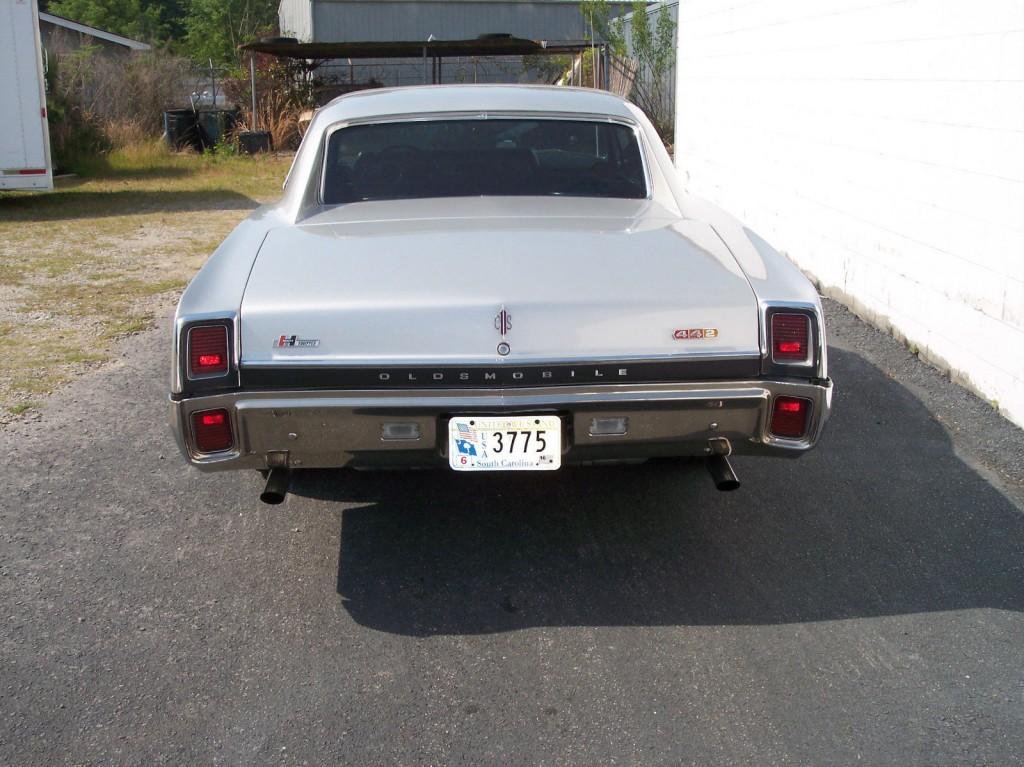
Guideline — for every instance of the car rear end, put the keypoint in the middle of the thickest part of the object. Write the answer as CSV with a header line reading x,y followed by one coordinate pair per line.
x,y
307,411
412,310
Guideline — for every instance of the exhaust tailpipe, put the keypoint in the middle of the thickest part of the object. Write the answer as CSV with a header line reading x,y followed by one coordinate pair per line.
x,y
278,482
722,474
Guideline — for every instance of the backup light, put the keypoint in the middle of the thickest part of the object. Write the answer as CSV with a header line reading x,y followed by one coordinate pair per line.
x,y
608,427
791,338
212,431
208,351
789,417
400,431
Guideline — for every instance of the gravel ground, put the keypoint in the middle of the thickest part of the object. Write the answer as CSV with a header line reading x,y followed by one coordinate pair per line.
x,y
863,604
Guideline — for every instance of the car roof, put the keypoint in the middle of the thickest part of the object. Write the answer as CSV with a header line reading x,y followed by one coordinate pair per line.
x,y
472,98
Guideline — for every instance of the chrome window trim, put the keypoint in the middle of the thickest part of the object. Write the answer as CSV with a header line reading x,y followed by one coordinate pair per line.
x,y
331,129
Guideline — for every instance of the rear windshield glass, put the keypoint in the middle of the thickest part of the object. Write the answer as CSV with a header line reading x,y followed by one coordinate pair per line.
x,y
459,158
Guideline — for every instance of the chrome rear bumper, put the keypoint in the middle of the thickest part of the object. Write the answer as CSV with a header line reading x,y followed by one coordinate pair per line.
x,y
321,429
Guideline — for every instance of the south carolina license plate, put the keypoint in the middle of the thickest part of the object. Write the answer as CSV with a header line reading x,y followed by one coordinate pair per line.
x,y
515,443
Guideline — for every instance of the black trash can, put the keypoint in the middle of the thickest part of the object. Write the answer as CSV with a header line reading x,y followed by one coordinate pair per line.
x,y
254,141
181,129
215,124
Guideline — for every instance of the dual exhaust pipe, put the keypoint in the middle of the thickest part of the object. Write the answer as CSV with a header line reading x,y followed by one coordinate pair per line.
x,y
721,472
725,479
278,482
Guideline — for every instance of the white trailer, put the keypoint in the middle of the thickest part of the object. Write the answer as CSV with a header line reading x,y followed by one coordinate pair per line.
x,y
24,136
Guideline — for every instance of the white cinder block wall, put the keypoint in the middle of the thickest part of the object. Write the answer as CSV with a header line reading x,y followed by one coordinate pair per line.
x,y
880,144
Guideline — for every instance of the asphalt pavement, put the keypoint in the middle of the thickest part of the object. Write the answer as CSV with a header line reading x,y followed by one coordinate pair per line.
x,y
862,605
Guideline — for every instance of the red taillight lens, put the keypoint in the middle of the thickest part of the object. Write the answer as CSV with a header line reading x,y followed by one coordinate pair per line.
x,y
212,431
208,350
791,337
789,416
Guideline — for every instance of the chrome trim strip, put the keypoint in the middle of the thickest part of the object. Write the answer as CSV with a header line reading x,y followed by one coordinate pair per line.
x,y
511,375
454,362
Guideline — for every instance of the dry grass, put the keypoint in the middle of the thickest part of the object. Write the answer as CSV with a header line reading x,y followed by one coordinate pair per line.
x,y
95,259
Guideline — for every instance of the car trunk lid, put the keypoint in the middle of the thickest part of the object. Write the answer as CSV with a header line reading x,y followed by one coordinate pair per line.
x,y
554,282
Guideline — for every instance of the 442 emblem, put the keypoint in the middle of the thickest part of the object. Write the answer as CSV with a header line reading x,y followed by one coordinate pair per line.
x,y
695,334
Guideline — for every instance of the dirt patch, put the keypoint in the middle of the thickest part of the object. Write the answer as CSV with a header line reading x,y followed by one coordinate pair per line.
x,y
97,259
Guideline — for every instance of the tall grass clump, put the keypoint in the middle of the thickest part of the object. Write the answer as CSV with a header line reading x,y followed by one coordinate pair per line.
x,y
100,101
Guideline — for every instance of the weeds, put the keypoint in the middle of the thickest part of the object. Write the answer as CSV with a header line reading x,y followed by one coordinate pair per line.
x,y
23,407
99,257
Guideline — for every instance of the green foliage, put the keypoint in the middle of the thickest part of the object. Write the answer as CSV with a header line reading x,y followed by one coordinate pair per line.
x,y
215,28
600,22
72,135
138,19
548,68
201,29
655,48
226,146
651,48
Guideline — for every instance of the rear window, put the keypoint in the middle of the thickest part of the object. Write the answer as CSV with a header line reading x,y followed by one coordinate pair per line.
x,y
460,158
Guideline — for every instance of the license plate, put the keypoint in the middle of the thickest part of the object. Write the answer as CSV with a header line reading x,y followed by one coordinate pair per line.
x,y
515,443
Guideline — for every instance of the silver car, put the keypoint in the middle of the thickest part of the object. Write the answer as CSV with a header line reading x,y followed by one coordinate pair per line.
x,y
492,278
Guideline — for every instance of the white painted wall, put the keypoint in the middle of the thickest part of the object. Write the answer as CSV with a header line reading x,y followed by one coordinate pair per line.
x,y
880,144
295,19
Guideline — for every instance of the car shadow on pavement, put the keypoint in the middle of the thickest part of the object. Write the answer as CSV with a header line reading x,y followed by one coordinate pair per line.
x,y
72,205
882,519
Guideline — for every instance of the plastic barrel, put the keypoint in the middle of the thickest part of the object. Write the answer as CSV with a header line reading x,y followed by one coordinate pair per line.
x,y
181,129
253,141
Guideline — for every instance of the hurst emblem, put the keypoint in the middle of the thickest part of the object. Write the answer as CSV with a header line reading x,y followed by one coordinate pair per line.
x,y
286,341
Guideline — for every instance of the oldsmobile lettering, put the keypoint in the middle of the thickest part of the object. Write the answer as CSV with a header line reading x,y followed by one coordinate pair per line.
x,y
510,375
535,289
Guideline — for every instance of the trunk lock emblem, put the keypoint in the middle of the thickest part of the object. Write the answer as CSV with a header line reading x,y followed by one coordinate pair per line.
x,y
503,324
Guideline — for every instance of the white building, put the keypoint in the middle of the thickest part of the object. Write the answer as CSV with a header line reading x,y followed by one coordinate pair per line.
x,y
881,146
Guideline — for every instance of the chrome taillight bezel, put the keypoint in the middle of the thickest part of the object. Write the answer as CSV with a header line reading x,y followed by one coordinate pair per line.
x,y
199,382
808,367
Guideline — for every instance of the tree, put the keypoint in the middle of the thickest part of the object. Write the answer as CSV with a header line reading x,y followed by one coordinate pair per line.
x,y
137,19
652,50
215,28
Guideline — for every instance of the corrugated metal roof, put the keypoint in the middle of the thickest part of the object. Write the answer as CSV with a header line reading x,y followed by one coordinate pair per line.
x,y
502,46
99,34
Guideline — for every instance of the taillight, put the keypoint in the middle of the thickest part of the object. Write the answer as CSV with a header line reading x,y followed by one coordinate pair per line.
x,y
212,431
207,351
791,337
789,416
